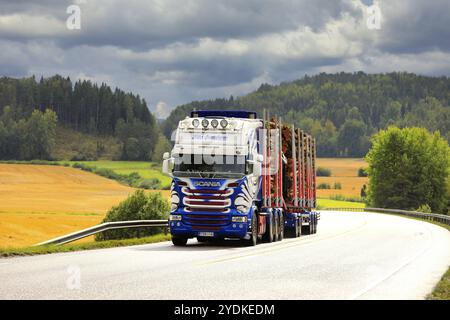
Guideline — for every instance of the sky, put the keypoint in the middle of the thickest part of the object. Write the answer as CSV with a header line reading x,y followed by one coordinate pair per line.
x,y
175,51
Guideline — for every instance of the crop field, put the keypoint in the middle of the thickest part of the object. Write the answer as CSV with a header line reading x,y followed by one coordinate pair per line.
x,y
345,172
38,202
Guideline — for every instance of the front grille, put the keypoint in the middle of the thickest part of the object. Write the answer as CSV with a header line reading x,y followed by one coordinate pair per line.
x,y
207,200
205,228
206,219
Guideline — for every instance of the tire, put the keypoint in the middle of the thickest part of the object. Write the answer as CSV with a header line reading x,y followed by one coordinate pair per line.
x,y
275,228
307,229
316,222
281,228
254,236
268,236
299,227
179,241
293,232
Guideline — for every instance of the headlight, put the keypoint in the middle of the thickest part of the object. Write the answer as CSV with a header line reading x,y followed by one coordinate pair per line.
x,y
214,123
223,123
239,219
195,123
205,123
175,217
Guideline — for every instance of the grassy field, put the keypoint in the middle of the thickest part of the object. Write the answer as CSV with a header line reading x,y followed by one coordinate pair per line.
x,y
328,203
146,170
344,171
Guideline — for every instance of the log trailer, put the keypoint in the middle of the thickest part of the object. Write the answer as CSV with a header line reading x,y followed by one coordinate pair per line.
x,y
235,176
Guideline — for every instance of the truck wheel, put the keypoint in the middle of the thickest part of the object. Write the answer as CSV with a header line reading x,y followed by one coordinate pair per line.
x,y
268,236
179,241
281,228
254,236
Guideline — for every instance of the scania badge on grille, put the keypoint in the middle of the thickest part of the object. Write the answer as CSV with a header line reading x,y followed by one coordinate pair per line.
x,y
207,184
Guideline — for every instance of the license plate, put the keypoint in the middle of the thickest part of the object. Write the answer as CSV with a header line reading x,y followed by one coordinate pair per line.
x,y
206,234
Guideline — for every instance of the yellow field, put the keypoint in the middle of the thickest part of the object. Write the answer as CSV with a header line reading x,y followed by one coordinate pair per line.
x,y
38,202
344,171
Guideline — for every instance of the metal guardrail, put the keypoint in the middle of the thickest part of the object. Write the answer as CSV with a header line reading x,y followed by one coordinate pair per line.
x,y
442,218
103,227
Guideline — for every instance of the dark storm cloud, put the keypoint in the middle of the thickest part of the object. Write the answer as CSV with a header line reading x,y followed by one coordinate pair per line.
x,y
173,51
146,24
416,26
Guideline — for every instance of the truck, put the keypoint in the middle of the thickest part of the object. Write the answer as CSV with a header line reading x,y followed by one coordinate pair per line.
x,y
237,176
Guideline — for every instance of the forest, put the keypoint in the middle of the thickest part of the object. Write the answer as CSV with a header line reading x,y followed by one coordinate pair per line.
x,y
82,106
344,110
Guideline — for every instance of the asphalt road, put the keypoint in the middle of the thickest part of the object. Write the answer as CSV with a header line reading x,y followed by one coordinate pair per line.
x,y
353,256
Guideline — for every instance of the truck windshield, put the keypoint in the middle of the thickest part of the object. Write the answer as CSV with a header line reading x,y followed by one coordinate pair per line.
x,y
198,166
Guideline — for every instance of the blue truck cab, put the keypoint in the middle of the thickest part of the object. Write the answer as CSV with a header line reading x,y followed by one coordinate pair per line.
x,y
216,170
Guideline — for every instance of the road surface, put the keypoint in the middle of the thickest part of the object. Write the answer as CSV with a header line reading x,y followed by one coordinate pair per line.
x,y
353,256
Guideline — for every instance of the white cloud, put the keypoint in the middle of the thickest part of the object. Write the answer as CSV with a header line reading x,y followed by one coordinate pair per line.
x,y
162,110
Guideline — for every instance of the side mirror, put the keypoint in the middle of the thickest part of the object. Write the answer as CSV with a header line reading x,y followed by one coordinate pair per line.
x,y
167,162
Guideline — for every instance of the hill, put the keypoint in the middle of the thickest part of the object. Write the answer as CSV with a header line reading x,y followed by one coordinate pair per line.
x,y
31,111
343,110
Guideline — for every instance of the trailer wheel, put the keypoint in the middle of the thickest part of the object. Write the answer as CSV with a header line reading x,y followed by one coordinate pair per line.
x,y
179,241
254,236
281,228
268,236
316,222
293,232
299,227
275,227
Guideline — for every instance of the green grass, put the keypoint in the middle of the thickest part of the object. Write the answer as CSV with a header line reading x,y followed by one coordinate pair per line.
x,y
442,289
328,203
28,251
147,170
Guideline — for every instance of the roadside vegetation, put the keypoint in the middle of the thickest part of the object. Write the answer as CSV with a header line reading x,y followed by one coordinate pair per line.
x,y
323,172
138,206
409,169
27,251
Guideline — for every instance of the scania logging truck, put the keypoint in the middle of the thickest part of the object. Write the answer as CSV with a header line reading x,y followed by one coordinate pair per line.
x,y
235,176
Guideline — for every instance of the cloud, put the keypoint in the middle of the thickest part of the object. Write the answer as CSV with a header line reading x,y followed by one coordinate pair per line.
x,y
162,110
172,54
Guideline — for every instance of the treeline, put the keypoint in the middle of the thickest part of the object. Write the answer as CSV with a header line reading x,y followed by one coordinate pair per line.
x,y
344,110
85,107
26,139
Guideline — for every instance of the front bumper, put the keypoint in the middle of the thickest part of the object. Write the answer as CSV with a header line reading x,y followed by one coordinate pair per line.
x,y
231,230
